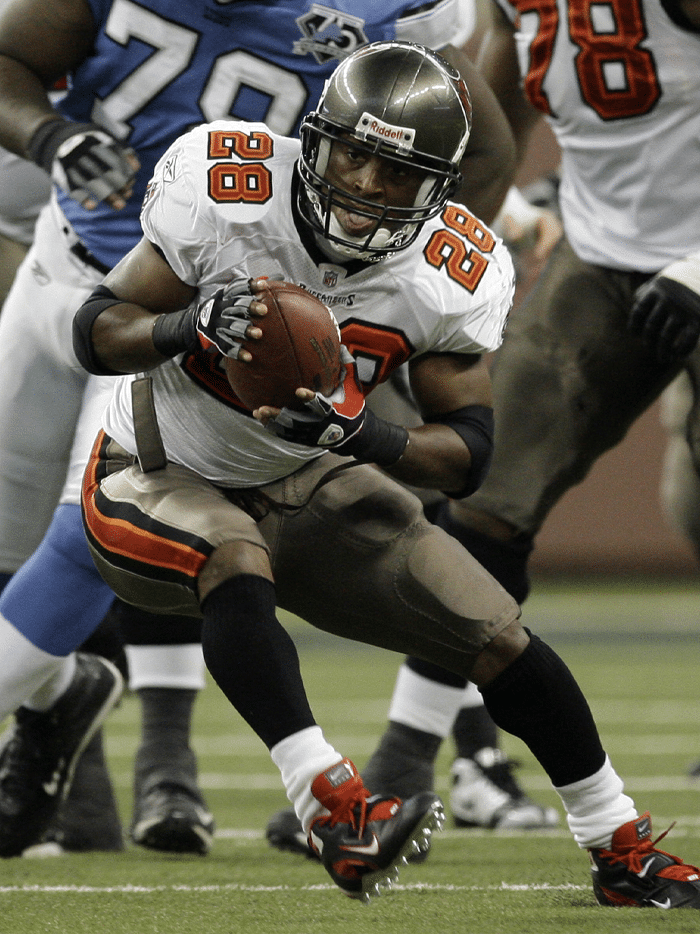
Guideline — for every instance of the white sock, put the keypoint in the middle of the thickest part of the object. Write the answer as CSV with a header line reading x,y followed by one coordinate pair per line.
x,y
165,666
423,704
596,806
29,676
472,697
300,758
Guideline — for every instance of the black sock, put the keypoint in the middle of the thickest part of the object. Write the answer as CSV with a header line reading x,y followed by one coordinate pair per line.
x,y
537,699
253,659
164,752
403,762
139,627
474,730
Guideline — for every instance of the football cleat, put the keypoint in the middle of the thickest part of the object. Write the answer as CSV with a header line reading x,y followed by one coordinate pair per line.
x,y
366,838
485,794
88,819
633,872
284,832
171,816
40,752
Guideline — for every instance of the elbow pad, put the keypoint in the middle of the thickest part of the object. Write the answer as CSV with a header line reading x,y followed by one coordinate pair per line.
x,y
83,348
474,425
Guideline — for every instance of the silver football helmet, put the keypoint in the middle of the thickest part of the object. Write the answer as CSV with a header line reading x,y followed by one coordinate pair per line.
x,y
400,101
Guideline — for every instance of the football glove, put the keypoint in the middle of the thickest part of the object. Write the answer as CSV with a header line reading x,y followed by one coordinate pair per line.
x,y
83,159
342,423
222,320
666,310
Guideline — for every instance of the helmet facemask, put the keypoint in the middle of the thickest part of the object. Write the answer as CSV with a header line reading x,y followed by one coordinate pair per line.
x,y
395,227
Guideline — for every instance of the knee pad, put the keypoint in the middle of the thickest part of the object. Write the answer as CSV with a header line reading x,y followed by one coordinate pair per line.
x,y
506,561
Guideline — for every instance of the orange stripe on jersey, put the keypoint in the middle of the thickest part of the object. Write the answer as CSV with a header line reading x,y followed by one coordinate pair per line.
x,y
119,537
116,536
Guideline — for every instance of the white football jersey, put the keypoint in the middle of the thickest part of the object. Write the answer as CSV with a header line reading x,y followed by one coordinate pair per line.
x,y
221,207
620,84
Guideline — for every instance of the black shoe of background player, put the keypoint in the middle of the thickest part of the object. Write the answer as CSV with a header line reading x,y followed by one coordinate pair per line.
x,y
170,815
40,751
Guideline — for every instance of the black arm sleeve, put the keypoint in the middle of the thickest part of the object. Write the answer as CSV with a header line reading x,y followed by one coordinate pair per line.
x,y
474,425
96,303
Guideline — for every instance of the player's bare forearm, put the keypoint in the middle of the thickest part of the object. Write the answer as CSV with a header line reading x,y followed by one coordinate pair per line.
x,y
123,339
146,287
39,43
24,105
435,458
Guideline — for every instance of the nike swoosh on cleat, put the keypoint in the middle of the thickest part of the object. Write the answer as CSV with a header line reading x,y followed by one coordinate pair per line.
x,y
51,787
664,904
317,841
369,849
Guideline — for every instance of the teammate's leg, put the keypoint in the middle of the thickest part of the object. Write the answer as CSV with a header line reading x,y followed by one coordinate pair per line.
x,y
680,481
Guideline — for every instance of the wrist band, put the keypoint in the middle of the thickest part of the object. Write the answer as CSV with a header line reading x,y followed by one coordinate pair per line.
x,y
175,333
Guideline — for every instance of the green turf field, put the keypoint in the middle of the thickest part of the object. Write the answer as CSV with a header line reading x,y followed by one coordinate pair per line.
x,y
635,653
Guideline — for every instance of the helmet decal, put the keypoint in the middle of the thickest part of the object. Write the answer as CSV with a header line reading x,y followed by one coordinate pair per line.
x,y
369,127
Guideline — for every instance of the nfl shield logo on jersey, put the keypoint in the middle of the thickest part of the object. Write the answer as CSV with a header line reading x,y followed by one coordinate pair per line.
x,y
329,34
330,278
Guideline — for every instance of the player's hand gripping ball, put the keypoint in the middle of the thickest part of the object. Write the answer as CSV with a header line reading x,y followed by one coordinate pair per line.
x,y
299,348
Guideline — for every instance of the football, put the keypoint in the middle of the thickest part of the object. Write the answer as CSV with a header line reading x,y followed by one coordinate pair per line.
x,y
300,347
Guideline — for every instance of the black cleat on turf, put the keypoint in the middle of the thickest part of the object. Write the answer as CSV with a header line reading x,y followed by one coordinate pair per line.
x,y
366,838
284,832
633,872
88,819
40,750
172,816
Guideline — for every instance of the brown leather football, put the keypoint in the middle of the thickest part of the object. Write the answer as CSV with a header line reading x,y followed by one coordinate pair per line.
x,y
300,347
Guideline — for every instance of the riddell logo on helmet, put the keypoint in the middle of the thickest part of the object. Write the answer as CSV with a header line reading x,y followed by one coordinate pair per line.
x,y
400,136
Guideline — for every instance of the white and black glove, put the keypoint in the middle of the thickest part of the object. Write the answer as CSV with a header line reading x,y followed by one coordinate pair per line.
x,y
666,310
342,423
84,160
217,324
222,321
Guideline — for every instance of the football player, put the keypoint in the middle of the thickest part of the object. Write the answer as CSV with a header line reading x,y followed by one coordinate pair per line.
x,y
122,109
193,504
